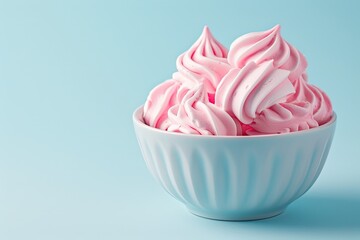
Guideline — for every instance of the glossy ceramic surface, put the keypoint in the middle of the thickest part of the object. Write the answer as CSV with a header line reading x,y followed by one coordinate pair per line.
x,y
235,178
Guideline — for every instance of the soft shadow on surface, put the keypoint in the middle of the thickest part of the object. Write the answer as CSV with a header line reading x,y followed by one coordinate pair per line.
x,y
319,213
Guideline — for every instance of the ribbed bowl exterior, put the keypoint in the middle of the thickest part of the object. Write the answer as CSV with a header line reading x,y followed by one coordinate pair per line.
x,y
235,178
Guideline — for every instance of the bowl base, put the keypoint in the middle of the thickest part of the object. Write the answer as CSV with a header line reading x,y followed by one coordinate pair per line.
x,y
235,216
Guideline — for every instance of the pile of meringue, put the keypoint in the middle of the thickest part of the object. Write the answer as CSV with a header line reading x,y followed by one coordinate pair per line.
x,y
259,86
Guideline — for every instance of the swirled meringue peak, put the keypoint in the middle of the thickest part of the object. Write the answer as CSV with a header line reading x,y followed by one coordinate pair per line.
x,y
247,91
268,45
259,87
158,102
161,99
196,115
321,104
205,61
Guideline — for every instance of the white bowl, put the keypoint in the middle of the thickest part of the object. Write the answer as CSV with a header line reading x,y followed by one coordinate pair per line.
x,y
235,178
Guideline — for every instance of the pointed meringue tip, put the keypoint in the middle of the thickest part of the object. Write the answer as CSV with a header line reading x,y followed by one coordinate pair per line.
x,y
206,30
277,28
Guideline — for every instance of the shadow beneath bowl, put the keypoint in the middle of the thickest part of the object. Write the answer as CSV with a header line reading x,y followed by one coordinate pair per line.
x,y
327,212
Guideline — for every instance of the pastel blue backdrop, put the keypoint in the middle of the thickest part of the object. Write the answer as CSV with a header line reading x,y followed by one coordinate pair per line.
x,y
71,74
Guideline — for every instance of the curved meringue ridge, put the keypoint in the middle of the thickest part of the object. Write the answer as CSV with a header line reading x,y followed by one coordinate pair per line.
x,y
196,115
248,91
268,45
296,64
205,61
321,104
258,47
284,118
158,102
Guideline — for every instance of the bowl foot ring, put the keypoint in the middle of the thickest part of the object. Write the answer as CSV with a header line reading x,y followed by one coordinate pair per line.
x,y
234,216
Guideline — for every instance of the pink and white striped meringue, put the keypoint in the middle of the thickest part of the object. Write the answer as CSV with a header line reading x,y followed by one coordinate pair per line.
x,y
196,115
248,91
205,61
160,100
320,102
268,45
283,118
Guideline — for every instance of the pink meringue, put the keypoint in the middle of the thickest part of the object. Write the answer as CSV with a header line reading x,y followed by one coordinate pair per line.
x,y
259,87
248,91
268,45
283,118
311,107
205,62
196,115
160,100
321,104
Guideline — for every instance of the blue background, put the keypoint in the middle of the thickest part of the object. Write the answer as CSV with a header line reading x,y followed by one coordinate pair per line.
x,y
71,74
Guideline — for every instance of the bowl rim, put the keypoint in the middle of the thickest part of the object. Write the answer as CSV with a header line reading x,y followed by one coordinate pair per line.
x,y
139,121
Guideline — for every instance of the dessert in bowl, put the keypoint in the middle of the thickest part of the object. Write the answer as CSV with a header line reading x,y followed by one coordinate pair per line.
x,y
237,135
235,177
